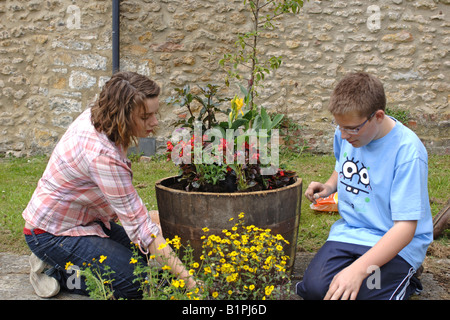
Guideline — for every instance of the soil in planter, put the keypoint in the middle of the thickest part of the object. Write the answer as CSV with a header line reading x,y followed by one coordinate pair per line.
x,y
226,186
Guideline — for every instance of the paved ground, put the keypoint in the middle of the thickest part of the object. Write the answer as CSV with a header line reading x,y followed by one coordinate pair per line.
x,y
15,285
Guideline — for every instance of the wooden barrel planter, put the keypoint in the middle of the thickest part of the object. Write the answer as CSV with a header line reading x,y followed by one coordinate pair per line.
x,y
185,213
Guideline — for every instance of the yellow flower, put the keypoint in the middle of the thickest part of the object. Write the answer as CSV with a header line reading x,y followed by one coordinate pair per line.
x,y
240,103
102,258
215,294
236,107
178,283
251,287
280,268
279,248
205,229
176,242
133,261
195,265
268,290
232,277
152,257
68,265
162,246
166,267
230,292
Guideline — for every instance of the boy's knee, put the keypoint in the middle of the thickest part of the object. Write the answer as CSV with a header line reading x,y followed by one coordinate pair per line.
x,y
312,289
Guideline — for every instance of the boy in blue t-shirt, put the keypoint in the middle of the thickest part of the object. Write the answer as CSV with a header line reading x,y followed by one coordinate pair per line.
x,y
381,178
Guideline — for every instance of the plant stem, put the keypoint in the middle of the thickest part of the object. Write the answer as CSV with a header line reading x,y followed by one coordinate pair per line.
x,y
255,42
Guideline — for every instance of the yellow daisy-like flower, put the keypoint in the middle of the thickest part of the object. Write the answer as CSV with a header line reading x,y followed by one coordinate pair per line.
x,y
268,290
176,242
178,283
166,267
215,294
162,246
68,265
133,261
102,258
205,229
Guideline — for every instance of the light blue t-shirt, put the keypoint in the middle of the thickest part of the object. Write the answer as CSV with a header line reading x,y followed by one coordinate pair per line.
x,y
382,182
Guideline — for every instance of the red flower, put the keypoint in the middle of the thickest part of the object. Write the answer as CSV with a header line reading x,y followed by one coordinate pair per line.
x,y
169,146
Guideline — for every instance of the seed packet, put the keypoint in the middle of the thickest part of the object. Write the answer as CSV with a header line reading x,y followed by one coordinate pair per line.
x,y
329,203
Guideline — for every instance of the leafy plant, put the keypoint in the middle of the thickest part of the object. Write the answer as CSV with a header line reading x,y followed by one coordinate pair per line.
x,y
246,161
98,278
243,172
243,263
247,56
401,115
209,102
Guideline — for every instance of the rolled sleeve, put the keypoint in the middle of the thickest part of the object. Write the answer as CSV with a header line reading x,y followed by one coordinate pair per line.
x,y
114,179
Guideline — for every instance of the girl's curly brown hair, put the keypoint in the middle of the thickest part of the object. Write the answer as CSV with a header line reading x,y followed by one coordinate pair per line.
x,y
113,111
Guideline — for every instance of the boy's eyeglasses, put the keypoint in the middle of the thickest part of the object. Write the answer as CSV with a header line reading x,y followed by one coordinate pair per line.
x,y
356,129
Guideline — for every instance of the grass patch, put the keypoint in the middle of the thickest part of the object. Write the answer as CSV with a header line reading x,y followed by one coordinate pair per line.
x,y
19,177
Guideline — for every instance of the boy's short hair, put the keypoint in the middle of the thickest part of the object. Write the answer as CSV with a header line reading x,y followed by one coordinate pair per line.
x,y
358,92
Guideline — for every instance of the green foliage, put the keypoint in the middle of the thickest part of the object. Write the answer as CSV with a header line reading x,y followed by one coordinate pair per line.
x,y
243,263
401,115
209,101
247,56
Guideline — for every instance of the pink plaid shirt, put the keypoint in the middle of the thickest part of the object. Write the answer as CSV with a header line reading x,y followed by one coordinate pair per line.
x,y
88,179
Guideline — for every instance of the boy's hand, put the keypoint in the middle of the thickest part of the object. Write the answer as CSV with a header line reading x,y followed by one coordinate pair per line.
x,y
345,285
317,190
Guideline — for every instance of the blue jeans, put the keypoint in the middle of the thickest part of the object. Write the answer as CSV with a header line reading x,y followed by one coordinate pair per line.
x,y
394,281
58,250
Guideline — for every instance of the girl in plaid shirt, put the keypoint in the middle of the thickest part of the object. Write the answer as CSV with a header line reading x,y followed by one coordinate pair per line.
x,y
87,185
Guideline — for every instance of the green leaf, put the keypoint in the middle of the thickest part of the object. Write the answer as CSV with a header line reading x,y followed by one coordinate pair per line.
x,y
276,120
266,122
239,122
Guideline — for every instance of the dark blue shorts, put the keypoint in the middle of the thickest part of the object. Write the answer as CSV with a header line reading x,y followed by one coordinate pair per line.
x,y
393,281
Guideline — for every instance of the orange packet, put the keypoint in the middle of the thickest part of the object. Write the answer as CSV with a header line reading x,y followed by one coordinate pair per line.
x,y
329,203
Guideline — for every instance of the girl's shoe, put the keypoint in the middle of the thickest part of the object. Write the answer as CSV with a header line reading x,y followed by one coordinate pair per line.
x,y
44,285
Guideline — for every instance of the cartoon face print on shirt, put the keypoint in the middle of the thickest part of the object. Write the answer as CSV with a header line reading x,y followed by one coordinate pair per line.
x,y
355,177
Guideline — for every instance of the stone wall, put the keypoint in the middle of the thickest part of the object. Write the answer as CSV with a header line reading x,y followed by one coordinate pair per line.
x,y
55,55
